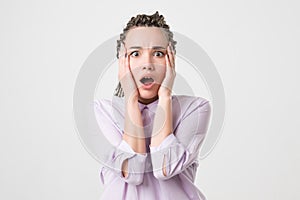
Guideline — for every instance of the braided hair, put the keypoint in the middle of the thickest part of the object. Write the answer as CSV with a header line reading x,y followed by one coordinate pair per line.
x,y
143,20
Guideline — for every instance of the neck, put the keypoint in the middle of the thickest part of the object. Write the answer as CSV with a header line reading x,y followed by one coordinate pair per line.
x,y
147,101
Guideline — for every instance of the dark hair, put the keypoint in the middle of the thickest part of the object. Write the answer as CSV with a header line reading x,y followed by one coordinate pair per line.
x,y
155,20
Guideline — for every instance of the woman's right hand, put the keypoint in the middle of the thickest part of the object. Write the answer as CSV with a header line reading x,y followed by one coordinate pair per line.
x,y
125,76
133,124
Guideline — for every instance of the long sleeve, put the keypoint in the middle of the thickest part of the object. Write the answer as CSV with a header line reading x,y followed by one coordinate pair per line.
x,y
136,162
180,149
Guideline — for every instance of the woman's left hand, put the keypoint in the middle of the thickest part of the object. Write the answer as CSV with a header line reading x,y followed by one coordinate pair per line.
x,y
165,90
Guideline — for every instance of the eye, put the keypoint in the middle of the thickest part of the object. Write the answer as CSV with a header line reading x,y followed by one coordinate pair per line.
x,y
158,53
134,54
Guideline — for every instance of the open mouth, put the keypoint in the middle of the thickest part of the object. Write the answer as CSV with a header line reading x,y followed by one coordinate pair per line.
x,y
147,80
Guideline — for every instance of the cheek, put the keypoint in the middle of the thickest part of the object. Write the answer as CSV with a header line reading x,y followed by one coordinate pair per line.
x,y
161,61
161,73
134,67
163,65
160,64
132,63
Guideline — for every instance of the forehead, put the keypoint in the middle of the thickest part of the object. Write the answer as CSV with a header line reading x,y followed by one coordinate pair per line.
x,y
146,37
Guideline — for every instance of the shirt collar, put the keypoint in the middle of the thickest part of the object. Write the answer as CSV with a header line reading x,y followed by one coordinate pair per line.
x,y
152,106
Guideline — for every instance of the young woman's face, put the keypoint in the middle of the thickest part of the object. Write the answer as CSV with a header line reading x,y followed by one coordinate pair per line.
x,y
146,48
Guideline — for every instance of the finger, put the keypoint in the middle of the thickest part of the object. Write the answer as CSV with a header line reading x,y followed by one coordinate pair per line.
x,y
120,60
167,62
130,70
171,56
122,65
122,50
121,68
126,64
171,70
121,53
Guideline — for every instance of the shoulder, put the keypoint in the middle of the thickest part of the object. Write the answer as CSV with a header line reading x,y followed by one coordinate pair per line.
x,y
102,106
108,104
110,111
184,106
101,103
185,101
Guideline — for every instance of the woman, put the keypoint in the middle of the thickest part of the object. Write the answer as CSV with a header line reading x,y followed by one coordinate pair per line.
x,y
156,135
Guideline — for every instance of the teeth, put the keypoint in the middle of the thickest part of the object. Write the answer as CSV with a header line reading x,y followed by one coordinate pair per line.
x,y
147,80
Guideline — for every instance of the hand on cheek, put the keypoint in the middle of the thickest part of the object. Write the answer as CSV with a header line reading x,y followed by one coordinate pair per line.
x,y
166,87
125,76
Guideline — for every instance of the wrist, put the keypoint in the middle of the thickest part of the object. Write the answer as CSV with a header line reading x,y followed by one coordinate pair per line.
x,y
133,100
165,97
164,92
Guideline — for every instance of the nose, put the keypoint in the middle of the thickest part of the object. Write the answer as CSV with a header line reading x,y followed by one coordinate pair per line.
x,y
148,62
148,66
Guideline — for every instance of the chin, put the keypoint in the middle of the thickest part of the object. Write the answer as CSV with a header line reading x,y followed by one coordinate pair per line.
x,y
147,96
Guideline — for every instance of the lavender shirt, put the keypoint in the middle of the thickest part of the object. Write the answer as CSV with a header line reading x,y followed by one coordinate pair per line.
x,y
180,150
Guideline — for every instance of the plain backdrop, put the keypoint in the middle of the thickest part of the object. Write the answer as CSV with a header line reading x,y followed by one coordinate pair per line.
x,y
254,45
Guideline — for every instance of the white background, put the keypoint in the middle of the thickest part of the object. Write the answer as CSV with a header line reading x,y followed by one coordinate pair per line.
x,y
254,45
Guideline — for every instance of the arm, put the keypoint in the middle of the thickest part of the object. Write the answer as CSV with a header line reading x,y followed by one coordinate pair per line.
x,y
180,148
134,132
133,125
130,155
121,151
162,126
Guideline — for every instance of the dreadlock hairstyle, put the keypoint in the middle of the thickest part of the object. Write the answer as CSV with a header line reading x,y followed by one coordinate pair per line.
x,y
143,20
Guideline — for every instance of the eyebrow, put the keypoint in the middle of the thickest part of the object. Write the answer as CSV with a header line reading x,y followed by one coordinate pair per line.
x,y
154,47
